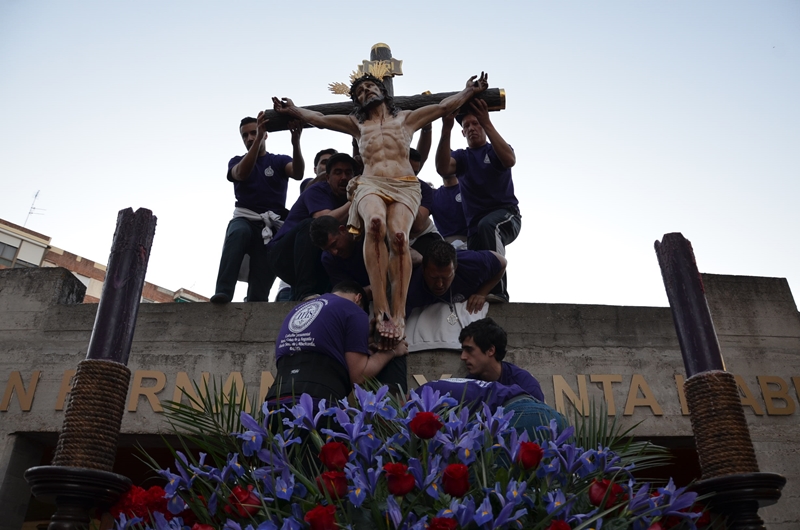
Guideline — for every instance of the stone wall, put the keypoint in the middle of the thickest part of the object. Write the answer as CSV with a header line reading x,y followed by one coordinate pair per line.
x,y
627,357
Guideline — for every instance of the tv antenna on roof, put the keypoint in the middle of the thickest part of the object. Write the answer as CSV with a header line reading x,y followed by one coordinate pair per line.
x,y
34,210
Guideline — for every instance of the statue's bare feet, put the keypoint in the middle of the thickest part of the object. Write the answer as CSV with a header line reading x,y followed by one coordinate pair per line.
x,y
387,332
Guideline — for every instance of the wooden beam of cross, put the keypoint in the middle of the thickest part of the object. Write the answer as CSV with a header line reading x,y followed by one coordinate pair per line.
x,y
495,97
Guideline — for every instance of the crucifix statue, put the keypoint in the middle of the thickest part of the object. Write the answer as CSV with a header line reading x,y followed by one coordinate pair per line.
x,y
386,197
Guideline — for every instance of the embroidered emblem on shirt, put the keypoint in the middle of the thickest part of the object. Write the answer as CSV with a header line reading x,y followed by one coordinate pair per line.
x,y
486,160
458,197
269,171
458,298
305,315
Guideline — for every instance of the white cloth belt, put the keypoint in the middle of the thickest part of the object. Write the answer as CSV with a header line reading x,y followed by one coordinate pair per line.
x,y
272,223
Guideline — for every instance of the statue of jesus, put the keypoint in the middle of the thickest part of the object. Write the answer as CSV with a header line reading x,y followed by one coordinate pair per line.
x,y
386,197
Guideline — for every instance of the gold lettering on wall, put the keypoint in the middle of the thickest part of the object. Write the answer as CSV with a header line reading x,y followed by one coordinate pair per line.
x,y
580,401
16,386
235,379
638,384
266,381
748,399
185,387
679,381
781,393
796,381
606,380
147,391
65,388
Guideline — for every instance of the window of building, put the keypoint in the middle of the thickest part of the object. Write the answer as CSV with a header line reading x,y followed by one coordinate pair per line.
x,y
7,253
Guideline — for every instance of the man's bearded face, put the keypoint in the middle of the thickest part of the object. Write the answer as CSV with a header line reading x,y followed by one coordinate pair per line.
x,y
368,94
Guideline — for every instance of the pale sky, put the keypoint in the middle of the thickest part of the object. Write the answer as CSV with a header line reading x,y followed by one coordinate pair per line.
x,y
629,120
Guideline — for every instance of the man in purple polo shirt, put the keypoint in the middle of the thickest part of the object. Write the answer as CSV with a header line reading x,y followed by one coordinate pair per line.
x,y
292,255
443,277
322,348
448,213
487,191
342,255
483,347
259,181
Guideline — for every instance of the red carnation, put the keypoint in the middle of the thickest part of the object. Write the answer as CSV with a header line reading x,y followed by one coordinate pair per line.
x,y
455,480
425,425
243,501
442,523
558,525
398,479
333,483
334,455
656,526
321,517
138,502
598,489
201,526
529,455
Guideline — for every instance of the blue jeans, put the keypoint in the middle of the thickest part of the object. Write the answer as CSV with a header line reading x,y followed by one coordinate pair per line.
x,y
244,237
496,230
530,413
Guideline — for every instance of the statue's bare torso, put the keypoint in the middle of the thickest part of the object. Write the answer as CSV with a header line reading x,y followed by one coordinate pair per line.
x,y
384,143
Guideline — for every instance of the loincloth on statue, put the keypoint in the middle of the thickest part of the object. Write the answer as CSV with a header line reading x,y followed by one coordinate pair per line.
x,y
404,190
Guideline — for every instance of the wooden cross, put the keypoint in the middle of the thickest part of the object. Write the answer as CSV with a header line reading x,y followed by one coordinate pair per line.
x,y
494,97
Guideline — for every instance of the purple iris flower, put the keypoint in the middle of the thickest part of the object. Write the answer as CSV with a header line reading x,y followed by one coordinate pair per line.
x,y
212,503
508,514
181,466
495,423
393,511
484,513
557,503
303,412
464,509
176,505
429,401
232,468
161,522
675,499
515,492
372,403
123,523
555,437
230,524
290,523
173,482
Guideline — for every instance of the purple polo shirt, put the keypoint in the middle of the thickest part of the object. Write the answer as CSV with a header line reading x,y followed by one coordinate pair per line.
x,y
486,185
265,188
474,268
514,375
315,199
330,325
427,195
352,268
474,393
448,212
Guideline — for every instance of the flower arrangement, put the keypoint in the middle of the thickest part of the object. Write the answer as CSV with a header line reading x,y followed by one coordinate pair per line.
x,y
427,463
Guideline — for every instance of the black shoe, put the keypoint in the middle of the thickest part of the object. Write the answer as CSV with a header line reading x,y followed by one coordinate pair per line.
x,y
220,298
